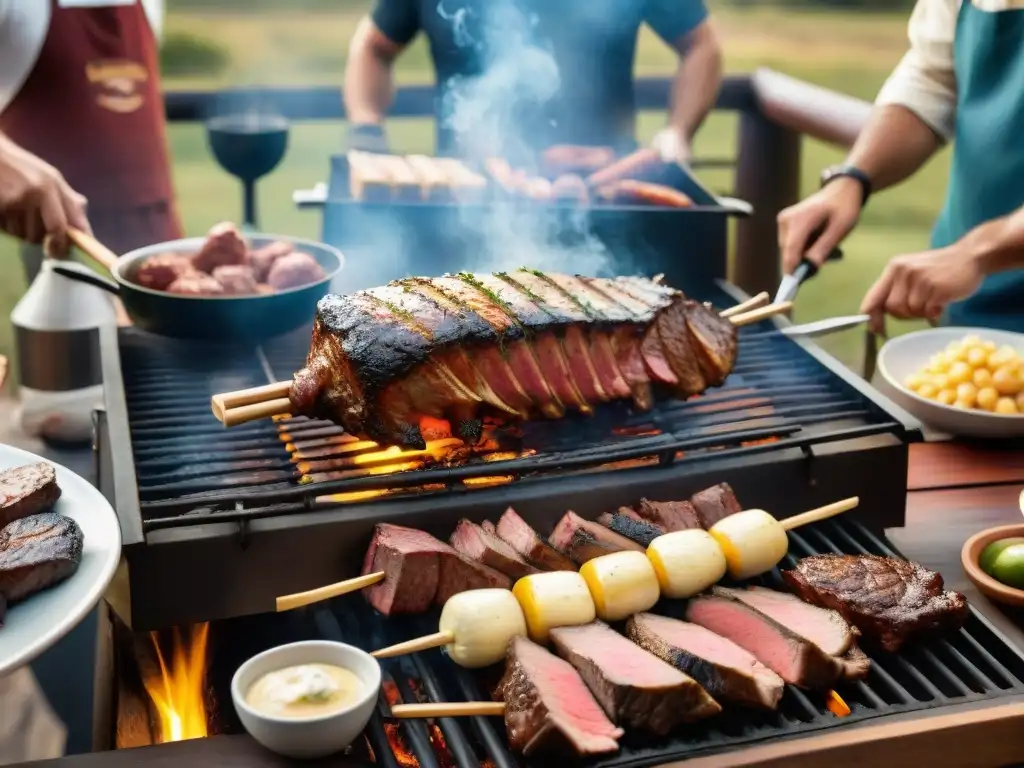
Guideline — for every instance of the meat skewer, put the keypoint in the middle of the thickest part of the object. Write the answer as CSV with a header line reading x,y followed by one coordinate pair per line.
x,y
453,384
610,587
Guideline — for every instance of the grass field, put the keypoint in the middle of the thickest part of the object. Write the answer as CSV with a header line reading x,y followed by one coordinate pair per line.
x,y
852,53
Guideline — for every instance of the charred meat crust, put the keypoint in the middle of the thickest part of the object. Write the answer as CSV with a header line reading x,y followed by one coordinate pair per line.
x,y
27,490
520,343
37,552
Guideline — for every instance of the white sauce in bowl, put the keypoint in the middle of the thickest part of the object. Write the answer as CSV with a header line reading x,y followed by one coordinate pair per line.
x,y
307,690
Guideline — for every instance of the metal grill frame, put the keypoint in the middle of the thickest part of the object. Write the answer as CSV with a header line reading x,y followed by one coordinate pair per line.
x,y
250,553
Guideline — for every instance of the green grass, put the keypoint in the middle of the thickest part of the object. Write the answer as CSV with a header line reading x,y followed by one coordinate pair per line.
x,y
849,52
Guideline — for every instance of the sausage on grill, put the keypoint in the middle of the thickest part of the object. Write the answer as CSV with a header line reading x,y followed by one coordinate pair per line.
x,y
631,192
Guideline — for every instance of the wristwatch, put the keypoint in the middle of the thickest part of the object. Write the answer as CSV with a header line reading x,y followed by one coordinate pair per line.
x,y
834,172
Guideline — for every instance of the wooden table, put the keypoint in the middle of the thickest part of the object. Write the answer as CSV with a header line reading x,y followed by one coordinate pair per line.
x,y
954,491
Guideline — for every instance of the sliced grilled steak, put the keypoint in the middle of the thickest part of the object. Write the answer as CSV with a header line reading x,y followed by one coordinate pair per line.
x,y
726,671
825,628
891,601
714,503
27,490
639,531
634,687
670,515
519,344
490,527
37,552
793,658
632,514
476,543
419,570
528,543
548,709
584,540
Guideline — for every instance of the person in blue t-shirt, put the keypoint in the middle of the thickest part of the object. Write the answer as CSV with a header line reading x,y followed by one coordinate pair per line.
x,y
962,79
559,70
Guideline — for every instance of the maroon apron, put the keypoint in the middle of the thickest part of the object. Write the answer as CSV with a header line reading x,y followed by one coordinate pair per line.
x,y
93,109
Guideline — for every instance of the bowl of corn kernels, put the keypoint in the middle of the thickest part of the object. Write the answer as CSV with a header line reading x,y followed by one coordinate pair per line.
x,y
962,381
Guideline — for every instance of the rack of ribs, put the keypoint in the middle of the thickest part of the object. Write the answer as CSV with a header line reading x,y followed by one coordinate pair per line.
x,y
515,345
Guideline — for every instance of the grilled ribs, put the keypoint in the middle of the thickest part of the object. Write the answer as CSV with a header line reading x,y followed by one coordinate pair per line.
x,y
889,600
509,345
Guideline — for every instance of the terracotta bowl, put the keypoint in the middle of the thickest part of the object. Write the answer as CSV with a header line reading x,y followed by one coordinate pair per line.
x,y
971,553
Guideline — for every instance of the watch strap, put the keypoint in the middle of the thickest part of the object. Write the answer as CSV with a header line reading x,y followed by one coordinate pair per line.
x,y
849,172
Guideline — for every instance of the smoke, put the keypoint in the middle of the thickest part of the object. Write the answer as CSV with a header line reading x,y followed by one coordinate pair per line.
x,y
499,113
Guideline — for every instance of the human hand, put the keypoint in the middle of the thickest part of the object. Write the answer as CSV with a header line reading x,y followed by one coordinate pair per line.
x,y
833,210
367,137
35,200
922,285
672,146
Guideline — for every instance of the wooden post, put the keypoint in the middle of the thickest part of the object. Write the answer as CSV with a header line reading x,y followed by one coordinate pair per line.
x,y
767,177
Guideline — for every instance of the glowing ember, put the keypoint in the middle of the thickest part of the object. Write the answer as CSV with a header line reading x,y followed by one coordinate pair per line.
x,y
834,703
177,689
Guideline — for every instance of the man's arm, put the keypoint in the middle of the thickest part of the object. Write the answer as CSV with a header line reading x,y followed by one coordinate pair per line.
x,y
914,114
685,26
378,40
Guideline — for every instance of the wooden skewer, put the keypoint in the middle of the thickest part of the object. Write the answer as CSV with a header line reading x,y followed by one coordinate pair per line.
x,y
234,408
821,513
752,303
454,709
757,315
424,643
287,602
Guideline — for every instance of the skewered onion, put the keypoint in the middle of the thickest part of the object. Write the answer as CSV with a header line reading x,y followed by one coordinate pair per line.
x,y
621,584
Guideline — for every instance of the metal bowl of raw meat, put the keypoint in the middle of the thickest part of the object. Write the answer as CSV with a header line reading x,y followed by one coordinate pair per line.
x,y
261,287
911,354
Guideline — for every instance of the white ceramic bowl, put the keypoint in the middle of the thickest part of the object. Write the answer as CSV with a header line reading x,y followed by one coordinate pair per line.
x,y
309,737
909,354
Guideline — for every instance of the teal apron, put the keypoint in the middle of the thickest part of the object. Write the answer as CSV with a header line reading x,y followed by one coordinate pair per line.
x,y
987,174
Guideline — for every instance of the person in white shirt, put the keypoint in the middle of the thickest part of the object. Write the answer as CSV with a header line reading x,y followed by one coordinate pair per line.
x,y
963,77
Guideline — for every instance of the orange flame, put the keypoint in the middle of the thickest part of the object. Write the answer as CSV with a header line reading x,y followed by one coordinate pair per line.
x,y
177,691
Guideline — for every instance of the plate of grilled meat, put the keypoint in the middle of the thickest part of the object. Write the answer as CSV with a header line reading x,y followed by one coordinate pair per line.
x,y
60,543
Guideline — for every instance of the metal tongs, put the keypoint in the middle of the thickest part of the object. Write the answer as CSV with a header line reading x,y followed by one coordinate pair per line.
x,y
807,269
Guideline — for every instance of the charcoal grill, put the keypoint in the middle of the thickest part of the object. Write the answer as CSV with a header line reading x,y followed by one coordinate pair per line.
x,y
791,430
974,665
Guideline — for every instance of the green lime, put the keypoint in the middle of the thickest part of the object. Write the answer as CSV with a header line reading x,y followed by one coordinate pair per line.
x,y
993,550
1008,567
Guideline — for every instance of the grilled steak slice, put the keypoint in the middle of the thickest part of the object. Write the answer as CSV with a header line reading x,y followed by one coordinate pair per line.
x,y
490,527
640,531
826,629
27,490
513,345
583,540
891,601
634,687
528,543
37,552
725,670
419,571
793,658
632,514
548,709
670,515
476,543
714,503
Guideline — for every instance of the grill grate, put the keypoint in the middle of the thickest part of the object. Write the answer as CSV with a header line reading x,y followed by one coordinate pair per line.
x,y
974,664
778,396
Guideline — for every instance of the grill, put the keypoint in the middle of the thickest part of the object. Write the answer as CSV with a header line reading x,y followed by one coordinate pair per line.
x,y
387,240
974,665
235,502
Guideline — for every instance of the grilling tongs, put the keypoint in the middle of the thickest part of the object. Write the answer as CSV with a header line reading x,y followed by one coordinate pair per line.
x,y
807,269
